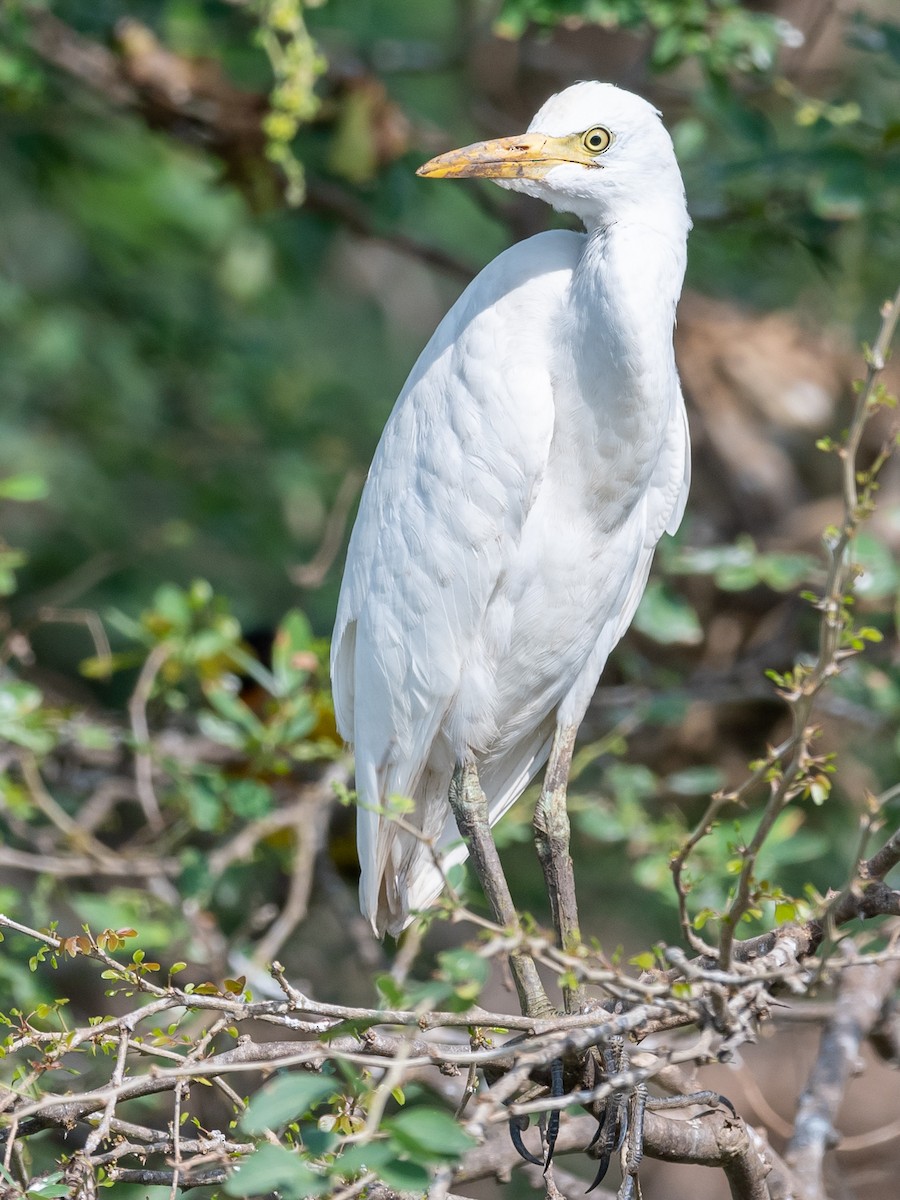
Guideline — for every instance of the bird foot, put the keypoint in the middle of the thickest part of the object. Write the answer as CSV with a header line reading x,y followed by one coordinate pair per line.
x,y
620,1129
620,1116
549,1126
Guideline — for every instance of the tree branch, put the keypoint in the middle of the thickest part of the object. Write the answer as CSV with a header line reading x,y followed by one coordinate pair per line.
x,y
862,991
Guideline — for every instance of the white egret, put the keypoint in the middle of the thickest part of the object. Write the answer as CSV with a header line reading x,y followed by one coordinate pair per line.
x,y
537,453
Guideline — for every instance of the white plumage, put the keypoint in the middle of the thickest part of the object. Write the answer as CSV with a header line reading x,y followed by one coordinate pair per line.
x,y
536,455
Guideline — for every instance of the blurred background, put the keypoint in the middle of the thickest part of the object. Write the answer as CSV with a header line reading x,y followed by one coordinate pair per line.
x,y
216,269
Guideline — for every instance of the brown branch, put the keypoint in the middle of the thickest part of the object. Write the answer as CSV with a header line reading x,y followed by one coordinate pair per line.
x,y
137,712
862,992
713,1140
194,101
311,574
802,694
116,866
210,1177
874,899
558,1183
309,827
883,861
333,201
90,62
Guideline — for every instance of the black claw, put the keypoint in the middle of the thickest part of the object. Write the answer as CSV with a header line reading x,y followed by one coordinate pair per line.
x,y
623,1127
602,1168
516,1127
557,1088
724,1100
600,1126
607,1128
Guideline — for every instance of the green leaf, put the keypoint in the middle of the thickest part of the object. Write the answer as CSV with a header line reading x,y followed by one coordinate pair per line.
x,y
391,993
364,1156
23,488
94,737
646,961
274,1168
405,1176
220,730
429,1133
292,655
283,1100
317,1141
172,604
667,617
700,780
466,972
352,1027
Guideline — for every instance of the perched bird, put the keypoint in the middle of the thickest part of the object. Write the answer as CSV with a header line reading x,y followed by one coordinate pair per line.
x,y
537,453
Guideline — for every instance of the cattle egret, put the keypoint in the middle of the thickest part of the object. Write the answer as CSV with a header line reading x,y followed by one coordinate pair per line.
x,y
537,453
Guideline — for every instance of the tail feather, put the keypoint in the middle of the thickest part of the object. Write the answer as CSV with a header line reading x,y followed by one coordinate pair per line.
x,y
412,880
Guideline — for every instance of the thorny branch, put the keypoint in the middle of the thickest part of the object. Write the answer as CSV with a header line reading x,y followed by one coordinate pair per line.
x,y
790,769
861,994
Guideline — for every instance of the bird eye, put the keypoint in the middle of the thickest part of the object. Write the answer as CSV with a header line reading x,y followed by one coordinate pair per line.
x,y
596,140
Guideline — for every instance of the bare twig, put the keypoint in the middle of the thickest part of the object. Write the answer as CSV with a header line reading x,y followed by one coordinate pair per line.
x,y
309,829
861,994
137,711
311,574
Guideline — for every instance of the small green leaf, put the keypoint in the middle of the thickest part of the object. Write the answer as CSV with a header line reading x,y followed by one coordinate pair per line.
x,y
364,1156
646,961
704,915
466,972
317,1141
274,1168
667,617
285,1099
405,1176
292,656
23,488
430,1133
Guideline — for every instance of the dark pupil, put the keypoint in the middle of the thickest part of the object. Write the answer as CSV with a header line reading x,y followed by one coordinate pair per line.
x,y
596,141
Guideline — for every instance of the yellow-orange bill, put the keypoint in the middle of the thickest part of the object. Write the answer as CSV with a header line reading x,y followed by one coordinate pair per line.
x,y
528,156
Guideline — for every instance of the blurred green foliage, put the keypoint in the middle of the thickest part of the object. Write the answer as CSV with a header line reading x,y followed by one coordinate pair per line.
x,y
722,36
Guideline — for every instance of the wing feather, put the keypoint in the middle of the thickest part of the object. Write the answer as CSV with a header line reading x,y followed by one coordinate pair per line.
x,y
451,484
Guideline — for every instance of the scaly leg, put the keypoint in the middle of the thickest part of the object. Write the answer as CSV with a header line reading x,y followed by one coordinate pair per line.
x,y
612,1127
470,809
551,837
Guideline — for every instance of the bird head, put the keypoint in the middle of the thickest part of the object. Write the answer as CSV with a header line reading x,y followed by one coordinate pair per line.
x,y
594,150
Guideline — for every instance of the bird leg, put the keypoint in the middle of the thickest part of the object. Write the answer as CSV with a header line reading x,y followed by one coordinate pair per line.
x,y
633,1147
612,1125
470,808
551,837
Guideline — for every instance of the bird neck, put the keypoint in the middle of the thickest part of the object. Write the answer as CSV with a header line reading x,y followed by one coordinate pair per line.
x,y
627,284
617,391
